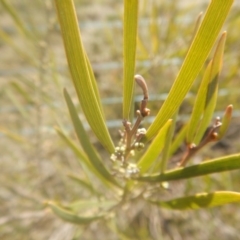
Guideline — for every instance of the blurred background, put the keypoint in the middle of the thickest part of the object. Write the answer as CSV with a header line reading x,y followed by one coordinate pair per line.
x,y
35,162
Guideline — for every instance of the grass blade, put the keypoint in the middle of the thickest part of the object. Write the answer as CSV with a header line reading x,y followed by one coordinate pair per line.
x,y
17,20
227,163
129,53
81,75
200,48
200,200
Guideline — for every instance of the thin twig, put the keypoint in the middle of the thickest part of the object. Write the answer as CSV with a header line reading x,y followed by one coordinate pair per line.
x,y
192,149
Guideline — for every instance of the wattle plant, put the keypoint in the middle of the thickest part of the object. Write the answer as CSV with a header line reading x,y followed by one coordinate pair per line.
x,y
140,159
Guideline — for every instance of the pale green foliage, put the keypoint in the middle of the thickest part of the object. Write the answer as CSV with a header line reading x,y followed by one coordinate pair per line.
x,y
133,186
132,172
81,72
129,53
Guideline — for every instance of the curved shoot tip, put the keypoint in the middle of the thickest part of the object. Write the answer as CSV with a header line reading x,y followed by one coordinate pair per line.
x,y
224,34
142,84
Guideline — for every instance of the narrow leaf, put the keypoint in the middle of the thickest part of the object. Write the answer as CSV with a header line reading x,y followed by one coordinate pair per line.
x,y
178,140
200,200
86,164
200,48
154,149
227,163
69,216
72,146
85,142
129,53
168,140
198,107
197,25
81,75
216,66
94,83
212,91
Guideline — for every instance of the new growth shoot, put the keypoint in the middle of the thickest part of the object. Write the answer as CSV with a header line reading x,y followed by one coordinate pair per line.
x,y
131,136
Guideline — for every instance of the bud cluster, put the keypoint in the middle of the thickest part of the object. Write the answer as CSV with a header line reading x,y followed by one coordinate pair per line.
x,y
131,137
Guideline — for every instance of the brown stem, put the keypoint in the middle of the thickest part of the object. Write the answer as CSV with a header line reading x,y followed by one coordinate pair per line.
x,y
131,133
192,149
137,123
127,126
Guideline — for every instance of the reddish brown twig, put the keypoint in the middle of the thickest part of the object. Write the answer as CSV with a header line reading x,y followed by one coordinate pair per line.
x,y
192,149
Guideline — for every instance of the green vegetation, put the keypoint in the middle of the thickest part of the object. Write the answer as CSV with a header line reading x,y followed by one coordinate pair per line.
x,y
119,183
